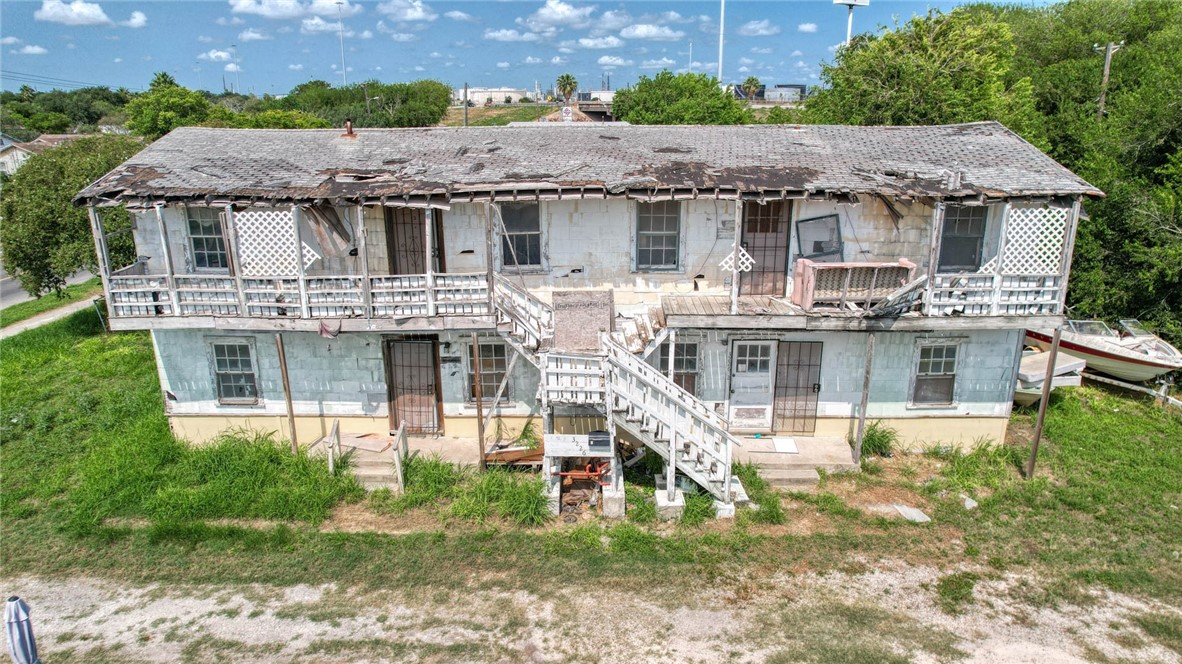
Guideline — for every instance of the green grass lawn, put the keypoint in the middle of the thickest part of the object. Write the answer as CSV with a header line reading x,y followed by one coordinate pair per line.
x,y
24,310
93,483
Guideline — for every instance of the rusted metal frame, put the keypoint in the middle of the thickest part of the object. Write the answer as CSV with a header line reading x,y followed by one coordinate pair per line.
x,y
173,298
934,254
1001,247
429,264
232,254
1068,251
291,427
104,259
363,249
735,272
297,216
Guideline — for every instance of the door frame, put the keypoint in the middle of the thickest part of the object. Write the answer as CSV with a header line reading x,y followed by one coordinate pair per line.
x,y
774,343
816,402
787,215
388,368
435,256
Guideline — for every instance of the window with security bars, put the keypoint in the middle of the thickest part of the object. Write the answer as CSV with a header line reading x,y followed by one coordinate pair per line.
x,y
935,376
206,240
658,235
494,362
521,242
234,373
963,238
685,365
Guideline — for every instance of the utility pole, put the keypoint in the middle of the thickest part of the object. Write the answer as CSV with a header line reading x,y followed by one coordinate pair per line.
x,y
341,32
1109,49
689,66
849,24
465,104
237,79
721,31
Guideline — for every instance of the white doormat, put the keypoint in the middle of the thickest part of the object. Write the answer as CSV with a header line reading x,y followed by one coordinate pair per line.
x,y
785,445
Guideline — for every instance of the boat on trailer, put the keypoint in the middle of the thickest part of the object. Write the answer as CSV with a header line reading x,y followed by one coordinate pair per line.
x,y
1135,354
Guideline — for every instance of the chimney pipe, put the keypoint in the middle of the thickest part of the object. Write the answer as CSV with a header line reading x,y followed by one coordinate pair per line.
x,y
349,128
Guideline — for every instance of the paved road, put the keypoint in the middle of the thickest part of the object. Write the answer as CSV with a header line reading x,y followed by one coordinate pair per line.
x,y
11,292
47,317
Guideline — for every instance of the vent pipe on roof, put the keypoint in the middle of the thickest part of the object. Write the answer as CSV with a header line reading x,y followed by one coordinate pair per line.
x,y
349,128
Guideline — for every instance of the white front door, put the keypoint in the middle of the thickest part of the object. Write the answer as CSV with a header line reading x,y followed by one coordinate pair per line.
x,y
753,365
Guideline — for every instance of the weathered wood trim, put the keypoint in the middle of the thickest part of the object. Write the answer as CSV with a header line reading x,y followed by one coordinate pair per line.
x,y
389,325
735,257
291,424
1068,252
934,252
1001,248
429,260
862,324
297,216
363,249
489,265
104,260
173,298
232,255
866,372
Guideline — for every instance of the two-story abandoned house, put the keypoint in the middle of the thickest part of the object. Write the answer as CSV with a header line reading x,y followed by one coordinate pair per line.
x,y
687,286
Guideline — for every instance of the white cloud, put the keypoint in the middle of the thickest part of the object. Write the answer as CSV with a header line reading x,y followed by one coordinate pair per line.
x,y
420,68
746,61
806,27
762,28
795,54
137,19
503,65
613,61
403,37
365,34
408,10
457,15
30,49
250,34
296,67
9,41
610,41
833,48
556,14
233,68
663,63
558,60
435,54
649,31
117,60
614,19
78,12
277,9
329,8
674,17
214,55
744,70
510,35
205,39
319,26
762,51
531,60
801,64
233,20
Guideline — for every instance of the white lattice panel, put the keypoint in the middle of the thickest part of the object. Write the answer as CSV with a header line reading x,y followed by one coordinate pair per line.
x,y
746,262
267,243
309,254
1034,241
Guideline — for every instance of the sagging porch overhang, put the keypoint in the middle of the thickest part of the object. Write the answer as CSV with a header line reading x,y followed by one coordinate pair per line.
x,y
830,323
231,324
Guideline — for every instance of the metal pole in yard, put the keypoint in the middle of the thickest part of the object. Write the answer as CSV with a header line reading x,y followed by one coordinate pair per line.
x,y
465,104
291,427
865,398
1042,404
479,389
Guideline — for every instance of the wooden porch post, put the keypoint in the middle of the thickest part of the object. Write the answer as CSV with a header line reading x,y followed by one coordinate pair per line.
x,y
735,257
233,253
168,264
995,305
865,398
479,389
429,238
1042,404
489,263
672,351
363,249
291,426
1068,251
100,250
934,253
297,217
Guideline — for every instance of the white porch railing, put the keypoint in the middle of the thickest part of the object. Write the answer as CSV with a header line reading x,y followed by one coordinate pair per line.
x,y
976,294
847,286
572,378
531,319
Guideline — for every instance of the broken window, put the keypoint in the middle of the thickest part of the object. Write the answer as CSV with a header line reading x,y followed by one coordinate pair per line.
x,y
819,239
206,239
962,239
685,365
494,362
658,235
935,375
234,373
521,243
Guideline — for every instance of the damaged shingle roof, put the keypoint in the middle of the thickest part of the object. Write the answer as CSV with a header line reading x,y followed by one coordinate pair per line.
x,y
441,164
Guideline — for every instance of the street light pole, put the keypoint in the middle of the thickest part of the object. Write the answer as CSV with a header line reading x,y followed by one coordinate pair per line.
x,y
341,32
721,37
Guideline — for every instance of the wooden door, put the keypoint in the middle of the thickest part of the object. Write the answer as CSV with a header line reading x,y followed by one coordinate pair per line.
x,y
406,241
798,385
412,373
752,371
765,237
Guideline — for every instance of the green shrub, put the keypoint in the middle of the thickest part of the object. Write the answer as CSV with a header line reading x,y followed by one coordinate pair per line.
x,y
879,440
428,480
771,510
513,496
698,508
523,503
642,508
986,465
956,590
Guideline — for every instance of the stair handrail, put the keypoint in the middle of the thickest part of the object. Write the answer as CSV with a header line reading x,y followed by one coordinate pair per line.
x,y
535,317
620,355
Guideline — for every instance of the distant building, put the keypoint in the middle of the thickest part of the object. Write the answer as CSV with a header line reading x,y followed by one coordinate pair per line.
x,y
605,96
785,94
740,93
12,155
479,96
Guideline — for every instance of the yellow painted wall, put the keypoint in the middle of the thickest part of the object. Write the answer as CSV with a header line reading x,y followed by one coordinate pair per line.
x,y
916,433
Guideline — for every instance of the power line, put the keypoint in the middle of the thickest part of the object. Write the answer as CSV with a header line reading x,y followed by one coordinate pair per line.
x,y
39,79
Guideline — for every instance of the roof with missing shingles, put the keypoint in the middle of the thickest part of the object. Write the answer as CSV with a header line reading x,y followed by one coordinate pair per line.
x,y
443,164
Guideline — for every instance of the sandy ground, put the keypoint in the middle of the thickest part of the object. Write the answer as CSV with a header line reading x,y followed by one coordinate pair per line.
x,y
796,618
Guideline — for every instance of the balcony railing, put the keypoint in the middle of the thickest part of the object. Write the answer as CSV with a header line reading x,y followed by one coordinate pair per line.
x,y
137,295
976,294
847,286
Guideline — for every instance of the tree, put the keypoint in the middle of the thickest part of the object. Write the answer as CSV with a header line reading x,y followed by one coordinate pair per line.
x,y
162,79
751,87
49,123
566,85
160,110
936,69
670,98
45,237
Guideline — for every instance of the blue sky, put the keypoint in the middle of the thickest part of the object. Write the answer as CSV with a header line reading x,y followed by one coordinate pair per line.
x,y
276,44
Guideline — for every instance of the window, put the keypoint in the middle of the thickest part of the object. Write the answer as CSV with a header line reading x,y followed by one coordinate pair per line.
x,y
935,377
819,239
658,235
753,358
494,362
963,237
206,239
234,373
685,365
521,244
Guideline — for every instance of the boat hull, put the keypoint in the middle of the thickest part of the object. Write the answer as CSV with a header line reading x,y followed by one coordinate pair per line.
x,y
1124,366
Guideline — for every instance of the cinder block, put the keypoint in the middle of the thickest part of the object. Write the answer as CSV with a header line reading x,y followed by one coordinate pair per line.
x,y
724,510
670,510
613,503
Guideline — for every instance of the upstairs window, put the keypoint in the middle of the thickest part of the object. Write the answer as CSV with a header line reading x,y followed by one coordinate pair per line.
x,y
963,238
494,363
658,235
206,240
234,372
935,375
521,243
685,365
